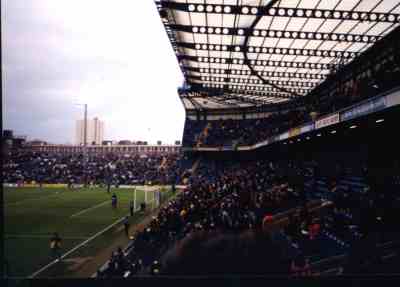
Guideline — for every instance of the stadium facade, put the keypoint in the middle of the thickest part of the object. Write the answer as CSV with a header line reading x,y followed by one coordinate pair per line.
x,y
104,149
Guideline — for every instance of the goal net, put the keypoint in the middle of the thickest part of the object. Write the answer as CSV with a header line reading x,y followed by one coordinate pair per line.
x,y
150,195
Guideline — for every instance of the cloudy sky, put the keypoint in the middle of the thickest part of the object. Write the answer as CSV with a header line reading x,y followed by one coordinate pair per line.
x,y
113,55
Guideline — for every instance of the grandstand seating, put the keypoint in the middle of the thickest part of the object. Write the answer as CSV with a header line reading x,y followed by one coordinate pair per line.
x,y
221,185
231,132
118,169
261,187
238,132
323,189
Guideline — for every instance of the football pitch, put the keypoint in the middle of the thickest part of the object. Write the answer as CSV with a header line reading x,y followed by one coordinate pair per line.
x,y
83,218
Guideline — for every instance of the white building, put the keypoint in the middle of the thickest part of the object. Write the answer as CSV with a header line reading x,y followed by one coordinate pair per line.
x,y
94,132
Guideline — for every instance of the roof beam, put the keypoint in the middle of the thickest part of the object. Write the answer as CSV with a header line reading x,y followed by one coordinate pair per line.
x,y
215,91
284,12
252,81
262,63
304,76
279,34
214,99
195,104
222,102
245,87
271,50
204,94
244,99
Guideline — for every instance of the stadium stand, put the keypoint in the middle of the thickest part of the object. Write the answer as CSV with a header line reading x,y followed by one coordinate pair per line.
x,y
290,148
223,205
291,143
251,131
295,168
240,132
22,166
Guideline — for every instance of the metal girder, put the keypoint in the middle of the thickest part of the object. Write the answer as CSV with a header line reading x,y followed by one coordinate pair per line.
x,y
234,87
262,63
214,99
224,96
271,50
245,99
258,93
222,89
250,63
304,76
242,98
284,12
280,34
258,100
233,81
221,101
194,103
170,33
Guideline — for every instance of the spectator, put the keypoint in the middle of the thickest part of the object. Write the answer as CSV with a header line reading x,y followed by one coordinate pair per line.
x,y
24,166
314,229
131,207
114,201
300,267
126,225
292,229
304,215
55,246
215,254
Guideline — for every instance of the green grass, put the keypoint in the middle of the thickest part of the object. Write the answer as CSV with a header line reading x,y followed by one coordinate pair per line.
x,y
33,214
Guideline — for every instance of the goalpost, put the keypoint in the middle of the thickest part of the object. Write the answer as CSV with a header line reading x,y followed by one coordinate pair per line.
x,y
151,195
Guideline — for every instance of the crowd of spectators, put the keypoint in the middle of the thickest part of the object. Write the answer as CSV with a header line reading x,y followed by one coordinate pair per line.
x,y
220,203
251,131
230,132
225,207
225,201
192,132
22,166
239,132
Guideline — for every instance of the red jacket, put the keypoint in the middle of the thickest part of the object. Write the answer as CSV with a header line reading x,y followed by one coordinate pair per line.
x,y
300,271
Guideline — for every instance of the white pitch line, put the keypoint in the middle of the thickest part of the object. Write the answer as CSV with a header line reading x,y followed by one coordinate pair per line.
x,y
75,248
90,208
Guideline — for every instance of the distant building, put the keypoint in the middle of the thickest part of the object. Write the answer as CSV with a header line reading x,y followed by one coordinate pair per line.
x,y
8,134
124,142
9,141
94,132
36,143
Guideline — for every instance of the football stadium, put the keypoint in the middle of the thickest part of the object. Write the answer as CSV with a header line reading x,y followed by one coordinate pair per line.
x,y
288,165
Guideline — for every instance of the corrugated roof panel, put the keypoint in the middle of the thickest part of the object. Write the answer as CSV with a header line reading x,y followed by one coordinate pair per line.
x,y
294,36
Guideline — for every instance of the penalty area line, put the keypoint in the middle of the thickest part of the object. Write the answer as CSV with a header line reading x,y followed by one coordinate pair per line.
x,y
33,275
90,208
